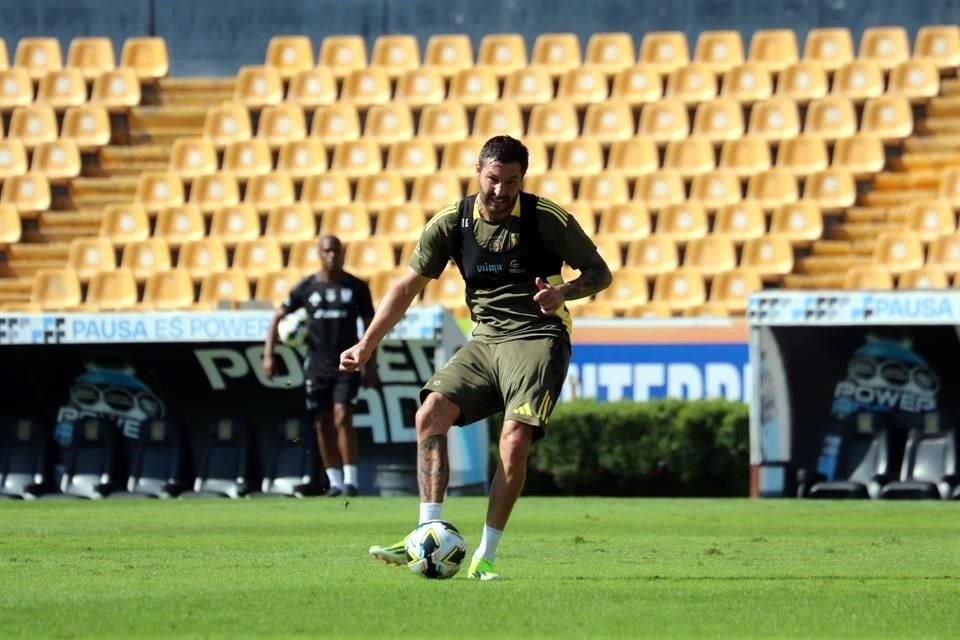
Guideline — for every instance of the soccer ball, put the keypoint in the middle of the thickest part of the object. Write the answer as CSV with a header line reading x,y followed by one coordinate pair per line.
x,y
292,329
435,549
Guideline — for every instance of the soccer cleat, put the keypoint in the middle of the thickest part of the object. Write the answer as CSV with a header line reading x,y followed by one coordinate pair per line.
x,y
334,492
482,569
394,554
349,491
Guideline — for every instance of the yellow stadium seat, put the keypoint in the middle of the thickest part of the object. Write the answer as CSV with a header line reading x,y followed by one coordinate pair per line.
x,y
858,80
448,290
583,86
215,190
304,257
584,215
800,222
443,123
401,223
680,289
716,189
637,85
248,158
887,117
343,54
886,46
281,123
460,158
926,277
692,84
124,223
395,54
603,189
33,125
87,256
537,150
4,57
710,255
916,80
867,277
289,55
553,122
301,158
381,283
554,185
229,122
274,286
203,256
803,155
664,121
746,83
659,189
257,257
682,222
578,158
831,48
610,52
55,289
832,189
502,53
144,257
625,222
664,51
312,88
773,49
930,219
223,290
831,118
418,87
16,88
802,81
862,155
608,122
502,118
147,56
746,156
731,289
29,192
388,123
772,188
58,161
179,224
350,222
364,258
774,119
412,158
168,291
258,86
116,91
719,50
944,253
528,86
609,250
739,222
690,157
719,120
38,56
290,223
633,157
192,157
938,45
898,252
448,54
91,56
770,257
628,289
61,89
112,291
234,223
271,190
382,190
366,87
474,86
11,228
13,159
325,190
556,53
335,124
435,191
355,158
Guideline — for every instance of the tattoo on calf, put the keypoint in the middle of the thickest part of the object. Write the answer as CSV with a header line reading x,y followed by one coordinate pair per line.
x,y
433,468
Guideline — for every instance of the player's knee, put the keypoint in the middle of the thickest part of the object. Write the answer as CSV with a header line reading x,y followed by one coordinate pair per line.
x,y
342,416
515,441
435,416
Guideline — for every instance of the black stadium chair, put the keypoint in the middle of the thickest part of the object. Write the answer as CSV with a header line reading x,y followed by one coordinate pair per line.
x,y
929,467
292,468
225,467
158,461
863,461
90,461
23,458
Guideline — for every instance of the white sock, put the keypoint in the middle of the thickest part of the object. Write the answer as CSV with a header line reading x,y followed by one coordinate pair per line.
x,y
488,543
430,511
335,476
350,474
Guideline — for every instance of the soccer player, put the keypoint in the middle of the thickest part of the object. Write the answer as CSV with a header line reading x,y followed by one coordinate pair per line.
x,y
509,247
333,299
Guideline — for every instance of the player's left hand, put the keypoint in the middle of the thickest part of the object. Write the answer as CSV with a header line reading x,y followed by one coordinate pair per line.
x,y
549,298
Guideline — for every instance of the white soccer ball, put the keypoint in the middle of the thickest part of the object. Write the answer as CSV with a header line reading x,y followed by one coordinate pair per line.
x,y
436,550
292,329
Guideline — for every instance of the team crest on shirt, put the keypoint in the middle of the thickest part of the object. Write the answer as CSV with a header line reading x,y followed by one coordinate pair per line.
x,y
515,267
330,295
314,299
346,295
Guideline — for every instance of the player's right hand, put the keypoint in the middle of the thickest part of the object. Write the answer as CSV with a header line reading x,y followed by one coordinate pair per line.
x,y
268,365
353,358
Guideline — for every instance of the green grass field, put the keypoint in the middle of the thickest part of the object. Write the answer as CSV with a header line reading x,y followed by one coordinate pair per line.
x,y
574,568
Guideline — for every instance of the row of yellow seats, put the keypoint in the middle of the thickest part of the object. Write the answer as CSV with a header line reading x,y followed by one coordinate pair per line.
x,y
87,125
900,251
115,90
91,56
771,49
878,277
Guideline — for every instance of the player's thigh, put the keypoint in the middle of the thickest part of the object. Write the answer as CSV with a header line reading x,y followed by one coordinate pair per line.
x,y
532,372
319,394
468,380
345,389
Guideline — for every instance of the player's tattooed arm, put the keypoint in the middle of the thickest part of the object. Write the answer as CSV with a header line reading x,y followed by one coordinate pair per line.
x,y
433,468
594,277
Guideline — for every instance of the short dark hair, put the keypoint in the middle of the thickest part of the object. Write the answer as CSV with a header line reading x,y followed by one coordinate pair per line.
x,y
504,149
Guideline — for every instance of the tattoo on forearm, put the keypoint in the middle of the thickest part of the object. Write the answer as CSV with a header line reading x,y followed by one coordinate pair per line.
x,y
592,280
433,468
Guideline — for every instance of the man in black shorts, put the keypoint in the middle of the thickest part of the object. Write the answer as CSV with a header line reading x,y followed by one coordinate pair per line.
x,y
509,247
333,300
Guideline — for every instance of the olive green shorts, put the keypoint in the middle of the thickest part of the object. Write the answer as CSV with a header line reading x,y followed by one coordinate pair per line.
x,y
522,378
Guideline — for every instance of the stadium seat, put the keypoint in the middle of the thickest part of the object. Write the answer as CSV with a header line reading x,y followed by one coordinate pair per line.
x,y
335,124
55,289
324,191
715,189
898,252
419,87
625,222
502,53
16,88
608,122
773,49
170,290
832,189
58,161
364,258
862,468
719,120
689,157
179,224
802,82
28,193
659,189
637,85
88,126
304,257
887,117
216,190
553,123
342,54
474,86
355,158
91,56
944,253
527,87
602,190
300,159
289,55
664,120
225,467
381,283
862,155
147,56
692,84
628,289
395,54
799,222
292,461
116,91
578,158
682,221
433,192
90,459
11,227
718,50
38,56
746,156
556,53
653,255
33,125
710,255
145,257
926,277
610,52
24,455
270,190
772,188
274,286
774,120
803,155
770,257
731,289
312,88
679,289
746,83
257,257
290,223
61,89
88,255
192,157
448,290
233,223
583,86
199,257
223,289
124,223
443,123
664,51
348,222
229,122
111,291
915,80
930,219
633,157
609,250
412,158
258,86
401,223
281,123
388,123
366,87
13,159
740,222
929,469
867,277
380,191
584,215
247,158
553,185
157,461
502,118
885,46
448,54
858,80
938,45
831,48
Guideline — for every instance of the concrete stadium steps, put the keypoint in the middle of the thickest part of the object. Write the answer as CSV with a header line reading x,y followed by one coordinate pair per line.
x,y
24,259
946,142
15,289
126,161
819,281
161,125
819,265
929,162
195,91
862,231
63,226
895,198
94,193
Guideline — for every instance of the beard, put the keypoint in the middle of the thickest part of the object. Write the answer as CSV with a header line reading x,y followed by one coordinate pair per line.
x,y
495,205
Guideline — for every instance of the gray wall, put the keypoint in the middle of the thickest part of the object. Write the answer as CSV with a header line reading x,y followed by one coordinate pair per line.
x,y
216,37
